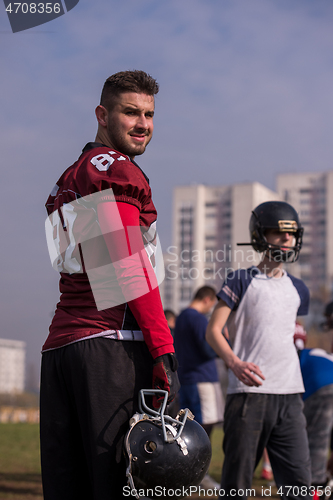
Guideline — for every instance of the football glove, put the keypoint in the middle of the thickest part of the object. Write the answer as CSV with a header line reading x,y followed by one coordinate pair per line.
x,y
165,377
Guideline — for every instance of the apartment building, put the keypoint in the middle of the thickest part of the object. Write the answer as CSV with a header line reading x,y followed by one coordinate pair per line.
x,y
208,222
312,196
12,366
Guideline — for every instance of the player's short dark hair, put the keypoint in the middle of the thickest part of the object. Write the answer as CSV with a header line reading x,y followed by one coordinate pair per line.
x,y
127,81
328,312
169,314
205,291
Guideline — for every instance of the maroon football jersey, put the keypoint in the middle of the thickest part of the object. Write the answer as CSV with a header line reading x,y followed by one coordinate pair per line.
x,y
76,244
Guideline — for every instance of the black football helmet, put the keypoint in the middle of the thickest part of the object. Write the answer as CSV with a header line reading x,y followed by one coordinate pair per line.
x,y
276,215
165,452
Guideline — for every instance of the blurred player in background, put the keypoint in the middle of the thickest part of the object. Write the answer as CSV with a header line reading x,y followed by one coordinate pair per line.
x,y
317,371
200,389
171,319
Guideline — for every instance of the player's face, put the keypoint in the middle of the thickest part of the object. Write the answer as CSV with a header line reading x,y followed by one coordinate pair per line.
x,y
280,238
130,123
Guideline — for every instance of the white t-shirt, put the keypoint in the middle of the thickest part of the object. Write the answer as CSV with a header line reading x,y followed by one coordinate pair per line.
x,y
262,325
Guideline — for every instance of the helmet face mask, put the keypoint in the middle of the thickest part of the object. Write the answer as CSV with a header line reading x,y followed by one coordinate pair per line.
x,y
165,452
278,216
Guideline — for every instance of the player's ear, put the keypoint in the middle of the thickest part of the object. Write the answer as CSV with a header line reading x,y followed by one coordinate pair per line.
x,y
101,115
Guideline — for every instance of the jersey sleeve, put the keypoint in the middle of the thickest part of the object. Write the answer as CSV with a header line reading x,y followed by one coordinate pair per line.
x,y
232,289
304,295
107,170
135,274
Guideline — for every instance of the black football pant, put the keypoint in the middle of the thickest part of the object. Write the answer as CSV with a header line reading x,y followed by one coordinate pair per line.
x,y
89,391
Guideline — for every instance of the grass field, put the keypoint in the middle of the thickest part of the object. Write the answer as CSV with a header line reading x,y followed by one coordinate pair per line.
x,y
19,462
20,467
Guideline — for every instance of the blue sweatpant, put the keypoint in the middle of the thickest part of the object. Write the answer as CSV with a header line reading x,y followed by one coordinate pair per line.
x,y
318,410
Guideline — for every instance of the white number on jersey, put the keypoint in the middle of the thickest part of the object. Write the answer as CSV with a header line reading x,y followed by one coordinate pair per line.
x,y
103,161
57,236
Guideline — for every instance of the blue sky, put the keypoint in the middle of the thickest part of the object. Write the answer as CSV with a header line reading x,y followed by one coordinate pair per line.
x,y
245,94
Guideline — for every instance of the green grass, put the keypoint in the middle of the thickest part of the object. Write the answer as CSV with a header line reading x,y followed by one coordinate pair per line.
x,y
19,462
217,453
19,448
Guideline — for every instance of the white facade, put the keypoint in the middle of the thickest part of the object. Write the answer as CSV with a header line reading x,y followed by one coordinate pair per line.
x,y
311,194
12,366
208,222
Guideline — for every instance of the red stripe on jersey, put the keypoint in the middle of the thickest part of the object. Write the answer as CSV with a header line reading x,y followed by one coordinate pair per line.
x,y
147,309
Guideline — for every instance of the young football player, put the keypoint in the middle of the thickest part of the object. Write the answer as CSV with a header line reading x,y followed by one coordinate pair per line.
x,y
264,404
109,337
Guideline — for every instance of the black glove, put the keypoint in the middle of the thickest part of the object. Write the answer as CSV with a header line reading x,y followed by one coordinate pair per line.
x,y
165,377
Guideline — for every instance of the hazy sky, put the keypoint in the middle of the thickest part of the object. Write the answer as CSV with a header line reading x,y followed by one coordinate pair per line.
x,y
245,94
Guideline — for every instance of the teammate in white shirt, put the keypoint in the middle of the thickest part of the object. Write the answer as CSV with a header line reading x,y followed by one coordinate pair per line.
x,y
264,404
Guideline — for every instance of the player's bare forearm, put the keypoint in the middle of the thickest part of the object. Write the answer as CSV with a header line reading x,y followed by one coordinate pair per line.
x,y
246,372
216,340
214,334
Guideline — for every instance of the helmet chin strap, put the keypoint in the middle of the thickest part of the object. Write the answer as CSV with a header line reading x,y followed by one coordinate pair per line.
x,y
279,255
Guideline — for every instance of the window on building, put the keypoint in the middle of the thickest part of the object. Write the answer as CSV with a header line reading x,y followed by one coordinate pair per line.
x,y
305,190
224,225
185,293
186,210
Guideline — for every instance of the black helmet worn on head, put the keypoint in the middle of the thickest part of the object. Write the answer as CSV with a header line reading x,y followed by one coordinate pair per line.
x,y
164,452
275,215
